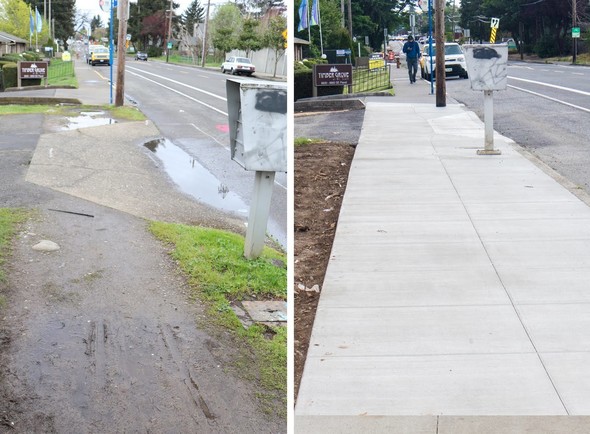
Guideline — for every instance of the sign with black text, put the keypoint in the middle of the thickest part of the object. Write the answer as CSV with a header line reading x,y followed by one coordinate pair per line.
x,y
332,75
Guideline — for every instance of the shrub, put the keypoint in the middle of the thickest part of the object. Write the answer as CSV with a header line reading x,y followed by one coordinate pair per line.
x,y
9,75
154,51
547,47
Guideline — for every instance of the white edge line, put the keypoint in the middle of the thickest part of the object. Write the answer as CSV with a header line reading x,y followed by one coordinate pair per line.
x,y
581,92
551,99
180,93
180,83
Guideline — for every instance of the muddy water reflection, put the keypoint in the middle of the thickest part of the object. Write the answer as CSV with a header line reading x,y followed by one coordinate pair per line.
x,y
192,178
87,119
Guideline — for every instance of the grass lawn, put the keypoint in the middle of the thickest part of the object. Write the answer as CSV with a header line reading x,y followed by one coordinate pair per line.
x,y
9,221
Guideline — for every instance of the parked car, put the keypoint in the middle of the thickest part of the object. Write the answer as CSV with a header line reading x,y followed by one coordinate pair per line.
x,y
101,56
455,65
90,50
238,65
140,55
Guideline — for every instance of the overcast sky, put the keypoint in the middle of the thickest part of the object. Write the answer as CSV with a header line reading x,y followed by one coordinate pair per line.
x,y
92,8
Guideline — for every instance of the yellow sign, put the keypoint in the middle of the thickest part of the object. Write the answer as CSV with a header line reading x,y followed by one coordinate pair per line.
x,y
66,56
376,63
285,37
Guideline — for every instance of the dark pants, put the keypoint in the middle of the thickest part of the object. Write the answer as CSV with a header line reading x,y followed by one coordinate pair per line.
x,y
412,69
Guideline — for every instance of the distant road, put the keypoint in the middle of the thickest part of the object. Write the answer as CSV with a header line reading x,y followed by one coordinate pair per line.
x,y
189,107
546,109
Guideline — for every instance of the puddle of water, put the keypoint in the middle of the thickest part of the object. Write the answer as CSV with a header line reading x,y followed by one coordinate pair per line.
x,y
87,119
192,178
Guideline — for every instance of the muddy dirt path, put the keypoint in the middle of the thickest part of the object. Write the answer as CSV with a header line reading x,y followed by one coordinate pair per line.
x,y
101,335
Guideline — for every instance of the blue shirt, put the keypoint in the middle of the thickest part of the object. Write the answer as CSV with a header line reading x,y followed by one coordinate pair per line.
x,y
412,50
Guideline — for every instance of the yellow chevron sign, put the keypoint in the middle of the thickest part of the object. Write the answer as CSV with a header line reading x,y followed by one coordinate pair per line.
x,y
494,24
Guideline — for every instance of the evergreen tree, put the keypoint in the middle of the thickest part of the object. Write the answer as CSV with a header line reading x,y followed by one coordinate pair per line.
x,y
194,14
96,23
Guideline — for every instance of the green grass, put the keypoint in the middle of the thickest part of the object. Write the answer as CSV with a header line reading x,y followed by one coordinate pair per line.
x,y
302,141
124,112
219,274
9,220
61,73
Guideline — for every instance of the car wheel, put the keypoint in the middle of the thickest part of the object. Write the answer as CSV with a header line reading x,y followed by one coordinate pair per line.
x,y
232,72
249,74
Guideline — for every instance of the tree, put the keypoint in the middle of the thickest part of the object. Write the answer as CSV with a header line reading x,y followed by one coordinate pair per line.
x,y
156,11
96,23
226,25
249,39
194,14
14,18
273,38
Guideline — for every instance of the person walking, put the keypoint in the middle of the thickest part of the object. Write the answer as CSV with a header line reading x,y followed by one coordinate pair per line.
x,y
412,51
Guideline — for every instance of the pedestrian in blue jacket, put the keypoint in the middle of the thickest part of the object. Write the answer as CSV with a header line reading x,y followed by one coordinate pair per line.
x,y
412,51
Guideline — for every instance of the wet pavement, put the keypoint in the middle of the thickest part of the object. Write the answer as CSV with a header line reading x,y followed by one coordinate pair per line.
x,y
100,335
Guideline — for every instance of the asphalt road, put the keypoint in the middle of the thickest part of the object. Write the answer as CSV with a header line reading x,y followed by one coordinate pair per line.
x,y
189,107
545,109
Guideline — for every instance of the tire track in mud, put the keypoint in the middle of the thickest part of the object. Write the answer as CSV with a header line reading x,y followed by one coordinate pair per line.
x,y
169,338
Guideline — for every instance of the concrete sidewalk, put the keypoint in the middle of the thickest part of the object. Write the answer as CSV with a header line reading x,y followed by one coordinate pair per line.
x,y
457,288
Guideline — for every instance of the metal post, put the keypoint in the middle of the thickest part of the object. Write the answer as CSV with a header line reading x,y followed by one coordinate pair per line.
x,y
488,112
259,211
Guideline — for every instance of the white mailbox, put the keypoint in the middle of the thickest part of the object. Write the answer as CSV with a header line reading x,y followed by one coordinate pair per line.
x,y
487,66
257,112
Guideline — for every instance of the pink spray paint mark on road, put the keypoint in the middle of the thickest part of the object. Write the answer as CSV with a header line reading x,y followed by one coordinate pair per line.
x,y
223,128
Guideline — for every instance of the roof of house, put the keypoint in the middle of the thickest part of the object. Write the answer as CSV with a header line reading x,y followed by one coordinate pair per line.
x,y
300,41
6,37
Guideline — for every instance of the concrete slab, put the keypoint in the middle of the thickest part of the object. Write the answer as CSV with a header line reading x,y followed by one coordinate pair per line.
x,y
491,384
266,311
530,230
548,285
442,424
414,288
399,331
558,327
540,254
571,374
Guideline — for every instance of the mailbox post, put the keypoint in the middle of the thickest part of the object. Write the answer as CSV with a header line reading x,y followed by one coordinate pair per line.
x,y
487,68
257,112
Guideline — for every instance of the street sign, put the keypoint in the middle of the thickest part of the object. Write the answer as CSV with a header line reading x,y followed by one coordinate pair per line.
x,y
575,32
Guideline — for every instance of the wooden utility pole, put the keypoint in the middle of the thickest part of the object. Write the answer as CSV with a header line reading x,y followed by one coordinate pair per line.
x,y
204,54
122,12
169,37
439,30
574,24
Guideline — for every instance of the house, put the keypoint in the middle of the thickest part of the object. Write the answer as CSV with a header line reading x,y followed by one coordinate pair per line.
x,y
11,44
298,45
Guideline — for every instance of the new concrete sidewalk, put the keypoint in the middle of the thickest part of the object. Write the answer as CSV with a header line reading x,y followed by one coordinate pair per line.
x,y
457,288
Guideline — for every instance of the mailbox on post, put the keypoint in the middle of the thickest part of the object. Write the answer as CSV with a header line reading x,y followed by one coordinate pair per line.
x,y
487,68
257,112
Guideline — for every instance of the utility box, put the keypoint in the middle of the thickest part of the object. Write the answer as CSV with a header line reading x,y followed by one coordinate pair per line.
x,y
257,112
487,66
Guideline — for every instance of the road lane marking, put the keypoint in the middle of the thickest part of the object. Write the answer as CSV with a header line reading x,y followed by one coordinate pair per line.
x,y
578,73
180,93
180,84
569,89
550,98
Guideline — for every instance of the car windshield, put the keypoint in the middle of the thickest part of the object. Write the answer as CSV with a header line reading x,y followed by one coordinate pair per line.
x,y
101,50
452,49
449,50
242,60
